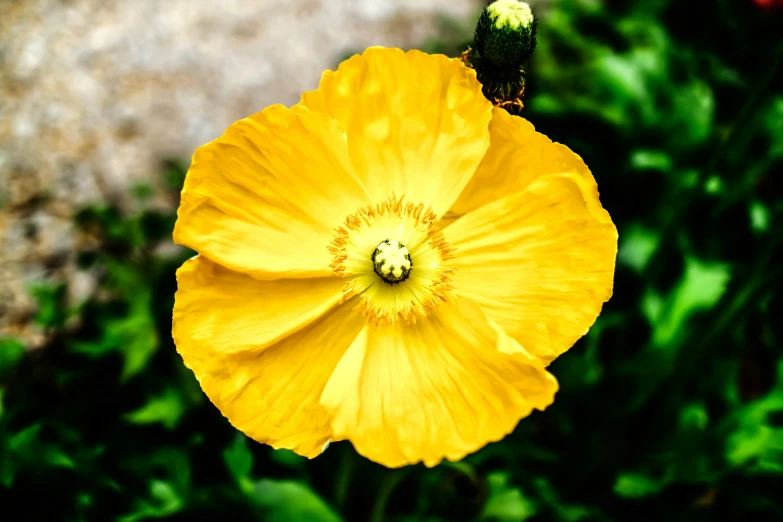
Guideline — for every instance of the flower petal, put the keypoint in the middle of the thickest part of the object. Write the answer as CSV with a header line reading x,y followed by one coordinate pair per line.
x,y
442,387
539,262
263,350
265,197
232,312
517,156
416,123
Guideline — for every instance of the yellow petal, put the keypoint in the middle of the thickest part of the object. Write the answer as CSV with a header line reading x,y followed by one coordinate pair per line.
x,y
440,388
540,262
232,312
263,350
416,123
517,156
265,197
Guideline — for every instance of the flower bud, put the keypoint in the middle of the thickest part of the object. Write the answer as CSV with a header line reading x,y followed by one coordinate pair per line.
x,y
504,40
506,33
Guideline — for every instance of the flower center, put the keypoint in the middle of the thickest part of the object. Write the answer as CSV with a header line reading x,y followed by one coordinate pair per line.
x,y
392,261
374,250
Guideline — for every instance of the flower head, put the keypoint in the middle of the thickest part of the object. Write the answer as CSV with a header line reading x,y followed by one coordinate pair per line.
x,y
392,261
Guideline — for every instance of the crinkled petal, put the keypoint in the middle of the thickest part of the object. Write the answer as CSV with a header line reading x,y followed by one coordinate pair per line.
x,y
540,262
517,156
416,123
263,350
440,388
264,198
231,312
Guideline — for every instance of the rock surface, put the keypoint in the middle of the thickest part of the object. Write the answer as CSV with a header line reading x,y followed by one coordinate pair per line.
x,y
94,94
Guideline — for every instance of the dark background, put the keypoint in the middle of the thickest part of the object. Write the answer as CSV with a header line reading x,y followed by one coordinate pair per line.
x,y
671,408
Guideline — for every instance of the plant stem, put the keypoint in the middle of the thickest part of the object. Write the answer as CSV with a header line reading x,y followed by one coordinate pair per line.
x,y
389,482
344,476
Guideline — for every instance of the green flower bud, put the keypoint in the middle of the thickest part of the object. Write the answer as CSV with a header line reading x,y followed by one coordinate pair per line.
x,y
506,33
504,40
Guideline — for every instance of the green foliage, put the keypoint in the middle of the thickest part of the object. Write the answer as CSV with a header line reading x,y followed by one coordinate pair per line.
x,y
506,503
671,408
700,288
755,440
284,500
165,408
51,313
239,458
11,353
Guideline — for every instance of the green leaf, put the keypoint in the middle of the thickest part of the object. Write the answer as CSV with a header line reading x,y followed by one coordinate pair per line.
x,y
239,460
142,191
701,288
11,353
714,185
694,105
759,217
25,440
625,76
166,495
774,124
288,458
289,501
637,245
25,449
50,299
689,461
166,408
139,349
652,305
563,511
636,485
694,417
506,503
651,159
133,335
165,501
753,441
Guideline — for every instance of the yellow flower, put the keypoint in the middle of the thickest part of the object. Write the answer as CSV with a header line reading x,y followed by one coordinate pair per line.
x,y
391,262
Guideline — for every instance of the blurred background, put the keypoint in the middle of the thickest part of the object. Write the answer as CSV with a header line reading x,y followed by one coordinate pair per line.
x,y
670,408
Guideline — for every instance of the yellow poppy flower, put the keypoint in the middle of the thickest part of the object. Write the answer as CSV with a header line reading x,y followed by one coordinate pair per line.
x,y
392,261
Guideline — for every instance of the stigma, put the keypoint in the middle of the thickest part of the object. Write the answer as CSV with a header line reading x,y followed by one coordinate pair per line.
x,y
392,261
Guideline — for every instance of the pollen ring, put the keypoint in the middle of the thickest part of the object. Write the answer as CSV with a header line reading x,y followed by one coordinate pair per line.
x,y
376,249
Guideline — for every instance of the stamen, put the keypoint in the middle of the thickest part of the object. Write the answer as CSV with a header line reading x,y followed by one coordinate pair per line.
x,y
393,254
